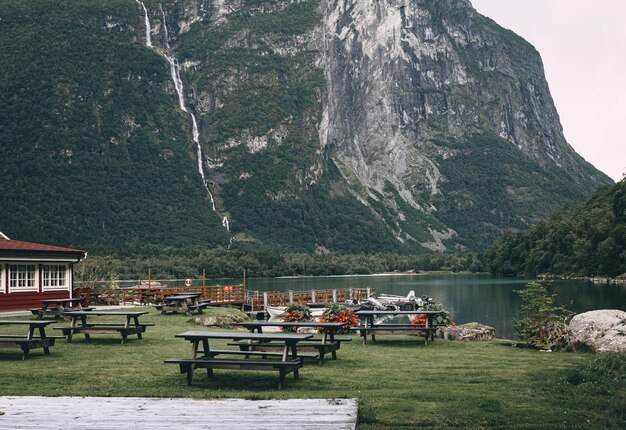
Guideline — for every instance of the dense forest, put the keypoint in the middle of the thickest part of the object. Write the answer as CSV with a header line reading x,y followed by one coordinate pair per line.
x,y
586,239
231,264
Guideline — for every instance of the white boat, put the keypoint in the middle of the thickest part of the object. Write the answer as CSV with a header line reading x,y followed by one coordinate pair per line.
x,y
392,301
277,311
394,298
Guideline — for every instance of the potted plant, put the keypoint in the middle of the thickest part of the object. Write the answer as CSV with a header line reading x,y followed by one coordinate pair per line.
x,y
296,312
339,313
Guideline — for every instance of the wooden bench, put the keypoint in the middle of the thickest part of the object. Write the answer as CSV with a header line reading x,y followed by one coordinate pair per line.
x,y
186,303
21,336
372,327
187,365
198,307
30,340
322,346
319,347
56,313
262,354
199,339
398,329
132,326
26,344
104,328
168,308
268,348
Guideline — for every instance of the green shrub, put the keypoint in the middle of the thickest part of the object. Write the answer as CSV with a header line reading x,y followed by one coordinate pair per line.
x,y
543,325
441,319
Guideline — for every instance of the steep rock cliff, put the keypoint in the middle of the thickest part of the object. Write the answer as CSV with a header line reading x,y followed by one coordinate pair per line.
x,y
438,121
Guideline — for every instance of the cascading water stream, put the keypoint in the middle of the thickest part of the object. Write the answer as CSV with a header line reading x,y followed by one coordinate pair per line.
x,y
147,24
167,36
178,85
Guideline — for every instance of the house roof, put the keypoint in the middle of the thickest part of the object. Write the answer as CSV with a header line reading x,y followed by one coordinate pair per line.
x,y
18,245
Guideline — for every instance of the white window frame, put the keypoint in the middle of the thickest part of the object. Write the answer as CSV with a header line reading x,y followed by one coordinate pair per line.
x,y
34,287
2,276
55,277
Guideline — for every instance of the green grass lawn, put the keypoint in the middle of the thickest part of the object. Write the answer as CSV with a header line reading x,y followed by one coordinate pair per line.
x,y
398,382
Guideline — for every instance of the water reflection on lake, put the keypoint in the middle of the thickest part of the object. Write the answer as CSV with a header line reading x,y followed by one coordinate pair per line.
x,y
480,298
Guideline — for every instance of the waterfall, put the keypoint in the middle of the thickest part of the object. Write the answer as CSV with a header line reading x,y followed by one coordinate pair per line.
x,y
147,24
226,225
178,85
167,36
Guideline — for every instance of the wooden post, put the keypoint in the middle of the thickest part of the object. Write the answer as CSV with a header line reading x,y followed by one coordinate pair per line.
x,y
290,296
265,299
351,293
313,296
334,296
369,292
149,276
204,284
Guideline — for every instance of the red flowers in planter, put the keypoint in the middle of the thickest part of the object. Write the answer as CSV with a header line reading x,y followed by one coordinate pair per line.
x,y
419,321
339,313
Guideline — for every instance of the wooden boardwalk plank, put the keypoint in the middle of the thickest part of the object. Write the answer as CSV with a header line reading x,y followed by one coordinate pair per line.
x,y
95,413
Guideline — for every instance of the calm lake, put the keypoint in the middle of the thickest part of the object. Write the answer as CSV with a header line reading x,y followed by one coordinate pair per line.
x,y
468,297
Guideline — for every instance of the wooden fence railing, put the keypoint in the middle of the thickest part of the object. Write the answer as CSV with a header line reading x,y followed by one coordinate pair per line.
x,y
218,294
258,299
227,295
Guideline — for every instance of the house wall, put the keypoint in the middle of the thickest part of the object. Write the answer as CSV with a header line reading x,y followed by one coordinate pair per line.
x,y
18,300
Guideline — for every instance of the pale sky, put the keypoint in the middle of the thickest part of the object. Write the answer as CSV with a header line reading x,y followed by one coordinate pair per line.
x,y
583,47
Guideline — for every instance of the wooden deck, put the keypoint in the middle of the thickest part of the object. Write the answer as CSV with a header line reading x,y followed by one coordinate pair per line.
x,y
96,413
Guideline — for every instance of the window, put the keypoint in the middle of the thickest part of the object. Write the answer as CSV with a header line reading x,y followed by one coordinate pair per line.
x,y
22,277
54,277
2,288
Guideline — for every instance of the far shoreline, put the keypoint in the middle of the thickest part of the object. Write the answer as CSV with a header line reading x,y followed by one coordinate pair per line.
x,y
371,275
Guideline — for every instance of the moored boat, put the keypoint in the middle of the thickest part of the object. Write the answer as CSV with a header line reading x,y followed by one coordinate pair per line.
x,y
277,311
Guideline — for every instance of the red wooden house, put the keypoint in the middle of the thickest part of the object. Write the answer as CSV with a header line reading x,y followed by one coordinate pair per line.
x,y
30,272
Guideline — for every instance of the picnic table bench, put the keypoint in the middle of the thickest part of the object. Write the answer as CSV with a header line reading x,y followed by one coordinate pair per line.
x,y
287,362
29,340
327,344
125,328
372,328
186,303
58,307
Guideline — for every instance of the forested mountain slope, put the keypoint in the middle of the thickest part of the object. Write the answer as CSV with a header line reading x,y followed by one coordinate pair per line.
x,y
347,126
584,239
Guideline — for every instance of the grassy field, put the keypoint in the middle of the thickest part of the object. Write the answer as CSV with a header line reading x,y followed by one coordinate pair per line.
x,y
398,382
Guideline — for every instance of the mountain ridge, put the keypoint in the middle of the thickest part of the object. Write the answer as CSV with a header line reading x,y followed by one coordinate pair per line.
x,y
297,157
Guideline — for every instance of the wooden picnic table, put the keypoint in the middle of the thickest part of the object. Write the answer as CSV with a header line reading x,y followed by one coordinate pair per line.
x,y
372,327
29,340
131,324
186,303
58,307
287,362
327,344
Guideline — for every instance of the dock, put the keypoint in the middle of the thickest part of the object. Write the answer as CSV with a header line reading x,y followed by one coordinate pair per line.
x,y
100,413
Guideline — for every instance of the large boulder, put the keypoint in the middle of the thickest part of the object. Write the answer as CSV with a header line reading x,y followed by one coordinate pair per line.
x,y
603,330
222,320
467,331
